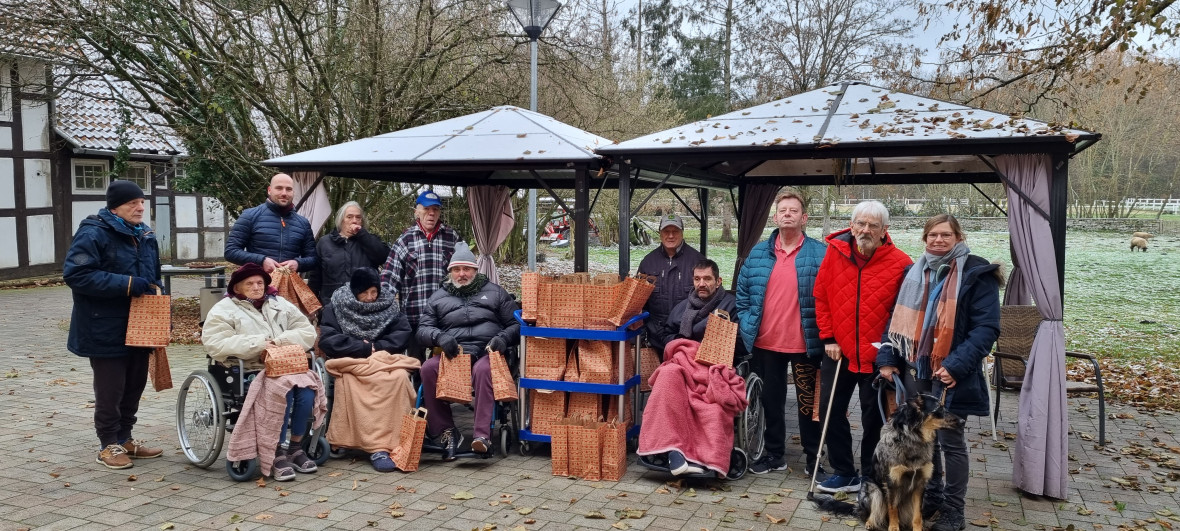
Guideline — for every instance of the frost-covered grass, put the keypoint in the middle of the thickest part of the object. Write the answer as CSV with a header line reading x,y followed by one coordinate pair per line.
x,y
1118,304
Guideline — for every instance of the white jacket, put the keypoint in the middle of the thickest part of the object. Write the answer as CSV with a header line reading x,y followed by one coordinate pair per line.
x,y
234,328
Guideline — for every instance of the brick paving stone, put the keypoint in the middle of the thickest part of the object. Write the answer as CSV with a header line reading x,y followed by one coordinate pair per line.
x,y
50,431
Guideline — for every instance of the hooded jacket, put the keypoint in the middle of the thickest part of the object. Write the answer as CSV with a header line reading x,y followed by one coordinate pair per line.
x,y
264,232
977,326
103,257
853,300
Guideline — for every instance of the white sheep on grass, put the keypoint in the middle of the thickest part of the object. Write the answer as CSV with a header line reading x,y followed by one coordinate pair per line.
x,y
1144,235
1138,243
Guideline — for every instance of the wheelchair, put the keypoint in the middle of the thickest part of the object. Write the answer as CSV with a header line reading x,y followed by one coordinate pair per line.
x,y
505,419
749,429
207,407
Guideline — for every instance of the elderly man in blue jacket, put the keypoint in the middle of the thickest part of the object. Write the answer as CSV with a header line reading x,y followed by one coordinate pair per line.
x,y
113,258
776,316
273,234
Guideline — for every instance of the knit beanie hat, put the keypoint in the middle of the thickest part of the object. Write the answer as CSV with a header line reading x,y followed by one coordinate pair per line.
x,y
462,257
120,192
363,279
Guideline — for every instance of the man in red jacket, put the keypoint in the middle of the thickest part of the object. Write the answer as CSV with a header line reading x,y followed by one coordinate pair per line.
x,y
855,291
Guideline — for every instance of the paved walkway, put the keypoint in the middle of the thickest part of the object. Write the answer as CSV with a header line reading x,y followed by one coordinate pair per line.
x,y
50,480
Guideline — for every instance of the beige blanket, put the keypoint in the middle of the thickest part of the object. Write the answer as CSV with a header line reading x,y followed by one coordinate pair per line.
x,y
256,433
371,397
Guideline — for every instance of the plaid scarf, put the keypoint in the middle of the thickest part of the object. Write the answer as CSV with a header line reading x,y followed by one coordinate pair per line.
x,y
923,325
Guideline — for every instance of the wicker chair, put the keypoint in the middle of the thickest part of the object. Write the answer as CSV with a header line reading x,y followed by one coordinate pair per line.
x,y
1018,328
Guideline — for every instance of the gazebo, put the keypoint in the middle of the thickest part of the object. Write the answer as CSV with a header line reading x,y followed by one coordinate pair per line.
x,y
855,133
491,153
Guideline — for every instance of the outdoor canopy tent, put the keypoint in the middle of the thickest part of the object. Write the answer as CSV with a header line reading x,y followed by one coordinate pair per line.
x,y
502,146
855,133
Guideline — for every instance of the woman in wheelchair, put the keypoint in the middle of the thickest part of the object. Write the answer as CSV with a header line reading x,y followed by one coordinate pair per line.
x,y
361,329
250,319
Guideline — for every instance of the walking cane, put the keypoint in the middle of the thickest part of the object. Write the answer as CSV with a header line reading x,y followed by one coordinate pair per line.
x,y
823,434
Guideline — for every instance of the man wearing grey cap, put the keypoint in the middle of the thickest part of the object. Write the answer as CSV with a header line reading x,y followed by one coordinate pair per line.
x,y
671,263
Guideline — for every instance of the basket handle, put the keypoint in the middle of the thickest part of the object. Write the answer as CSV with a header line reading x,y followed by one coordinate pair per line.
x,y
722,314
419,412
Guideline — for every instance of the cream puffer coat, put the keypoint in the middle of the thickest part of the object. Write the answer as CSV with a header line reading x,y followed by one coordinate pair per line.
x,y
234,328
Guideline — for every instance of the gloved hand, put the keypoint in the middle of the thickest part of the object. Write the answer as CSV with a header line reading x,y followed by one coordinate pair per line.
x,y
497,344
449,346
140,285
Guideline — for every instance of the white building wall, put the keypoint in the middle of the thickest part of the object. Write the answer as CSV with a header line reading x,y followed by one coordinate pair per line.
x,y
8,256
41,244
35,125
7,189
38,185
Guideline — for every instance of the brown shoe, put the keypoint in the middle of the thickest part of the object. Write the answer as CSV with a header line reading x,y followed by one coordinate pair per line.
x,y
114,456
138,450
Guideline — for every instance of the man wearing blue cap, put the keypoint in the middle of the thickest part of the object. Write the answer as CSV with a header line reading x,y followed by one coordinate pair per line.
x,y
418,259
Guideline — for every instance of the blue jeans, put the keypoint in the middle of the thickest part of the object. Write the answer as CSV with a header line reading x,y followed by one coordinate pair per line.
x,y
300,401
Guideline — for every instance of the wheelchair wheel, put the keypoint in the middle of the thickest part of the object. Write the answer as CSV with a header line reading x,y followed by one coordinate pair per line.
x,y
738,463
200,419
317,449
242,470
752,428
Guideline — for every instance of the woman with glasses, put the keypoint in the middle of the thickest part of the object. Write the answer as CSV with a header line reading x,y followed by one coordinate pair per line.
x,y
945,321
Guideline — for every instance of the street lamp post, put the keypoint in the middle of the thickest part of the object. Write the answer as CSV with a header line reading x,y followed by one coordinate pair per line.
x,y
534,16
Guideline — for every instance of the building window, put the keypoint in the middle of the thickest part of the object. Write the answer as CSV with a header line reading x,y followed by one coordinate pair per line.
x,y
90,176
139,173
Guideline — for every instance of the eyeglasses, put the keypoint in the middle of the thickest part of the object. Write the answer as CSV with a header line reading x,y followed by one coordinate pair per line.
x,y
861,224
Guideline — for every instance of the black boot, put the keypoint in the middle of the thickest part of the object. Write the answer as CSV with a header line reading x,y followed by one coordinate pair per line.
x,y
949,519
932,499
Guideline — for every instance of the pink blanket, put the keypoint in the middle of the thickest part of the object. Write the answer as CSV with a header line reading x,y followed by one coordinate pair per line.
x,y
691,408
256,433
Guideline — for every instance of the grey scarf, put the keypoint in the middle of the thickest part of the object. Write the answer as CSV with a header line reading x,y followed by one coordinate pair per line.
x,y
697,310
364,320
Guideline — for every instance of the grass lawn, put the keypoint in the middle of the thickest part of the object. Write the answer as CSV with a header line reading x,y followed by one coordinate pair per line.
x,y
1118,304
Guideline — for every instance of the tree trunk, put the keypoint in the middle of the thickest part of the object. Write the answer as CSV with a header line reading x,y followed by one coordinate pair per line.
x,y
726,221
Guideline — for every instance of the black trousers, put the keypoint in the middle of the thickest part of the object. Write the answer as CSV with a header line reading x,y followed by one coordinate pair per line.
x,y
839,437
772,367
118,386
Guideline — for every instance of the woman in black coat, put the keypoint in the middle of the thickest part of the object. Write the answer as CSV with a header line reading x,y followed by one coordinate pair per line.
x,y
363,317
346,249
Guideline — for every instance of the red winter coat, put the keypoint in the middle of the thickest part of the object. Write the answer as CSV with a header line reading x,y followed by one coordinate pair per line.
x,y
853,301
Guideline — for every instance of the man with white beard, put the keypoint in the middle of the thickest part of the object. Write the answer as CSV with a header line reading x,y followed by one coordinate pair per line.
x,y
855,291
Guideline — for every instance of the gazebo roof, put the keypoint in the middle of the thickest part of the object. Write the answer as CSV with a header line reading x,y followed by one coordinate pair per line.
x,y
876,134
500,144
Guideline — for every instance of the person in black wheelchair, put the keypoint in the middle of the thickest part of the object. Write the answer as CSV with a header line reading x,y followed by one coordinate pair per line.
x,y
363,331
471,311
250,319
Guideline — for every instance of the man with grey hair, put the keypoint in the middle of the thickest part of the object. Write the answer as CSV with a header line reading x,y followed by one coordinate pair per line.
x,y
855,291
350,246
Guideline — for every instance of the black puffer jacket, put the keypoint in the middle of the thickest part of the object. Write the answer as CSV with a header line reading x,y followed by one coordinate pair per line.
x,y
673,282
473,321
340,256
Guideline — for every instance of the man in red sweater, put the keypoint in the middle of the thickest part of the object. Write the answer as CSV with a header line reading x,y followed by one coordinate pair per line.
x,y
855,290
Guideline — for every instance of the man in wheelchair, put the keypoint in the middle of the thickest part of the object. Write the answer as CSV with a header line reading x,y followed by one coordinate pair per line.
x,y
472,312
688,317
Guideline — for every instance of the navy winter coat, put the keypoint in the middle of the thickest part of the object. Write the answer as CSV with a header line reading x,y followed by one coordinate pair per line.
x,y
340,256
262,232
977,325
751,290
103,257
473,321
673,282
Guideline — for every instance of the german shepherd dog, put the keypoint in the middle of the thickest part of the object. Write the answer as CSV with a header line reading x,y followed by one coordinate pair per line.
x,y
902,464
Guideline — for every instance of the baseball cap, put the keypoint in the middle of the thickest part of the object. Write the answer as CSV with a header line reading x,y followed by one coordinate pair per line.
x,y
671,219
428,198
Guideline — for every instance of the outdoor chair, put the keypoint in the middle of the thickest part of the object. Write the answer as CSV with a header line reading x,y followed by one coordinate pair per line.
x,y
1018,328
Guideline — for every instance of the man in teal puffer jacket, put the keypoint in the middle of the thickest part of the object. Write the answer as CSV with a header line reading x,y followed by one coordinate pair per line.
x,y
776,314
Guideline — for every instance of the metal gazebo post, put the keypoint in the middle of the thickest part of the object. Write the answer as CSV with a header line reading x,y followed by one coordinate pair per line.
x,y
534,16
